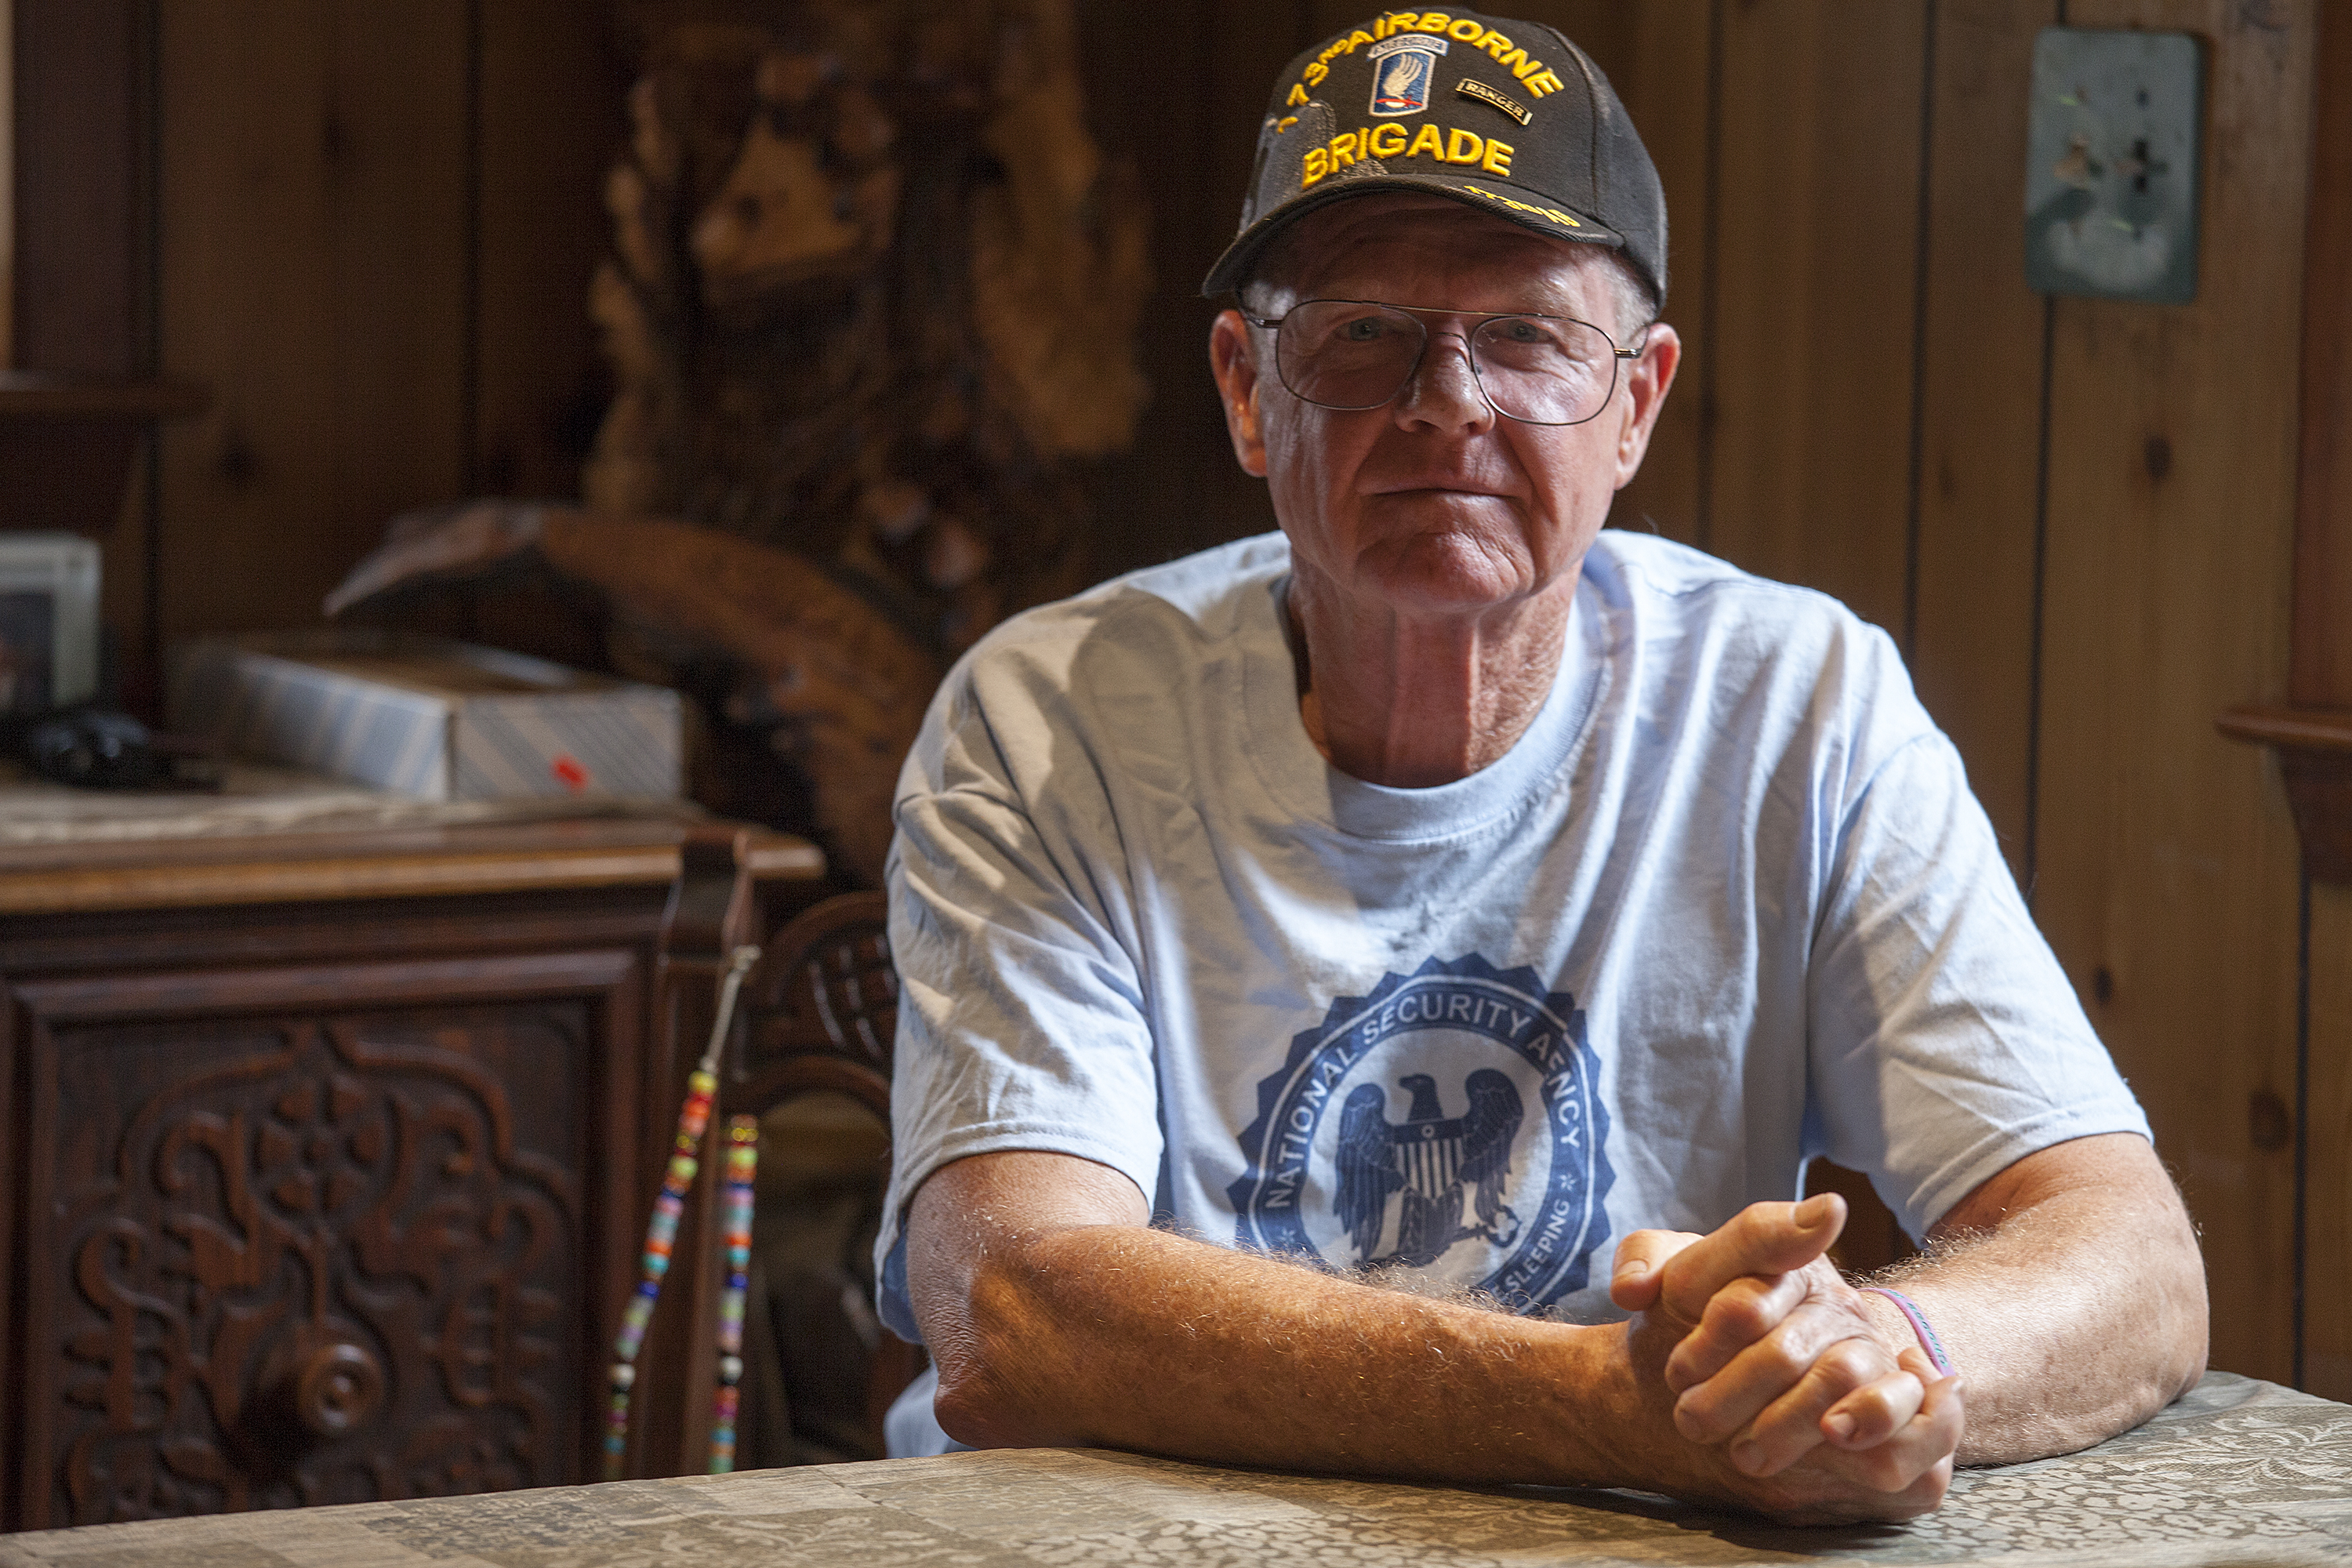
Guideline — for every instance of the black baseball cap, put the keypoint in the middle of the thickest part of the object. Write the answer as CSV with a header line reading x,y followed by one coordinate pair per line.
x,y
1505,116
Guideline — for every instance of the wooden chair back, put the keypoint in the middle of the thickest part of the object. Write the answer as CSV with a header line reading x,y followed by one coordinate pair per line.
x,y
817,1012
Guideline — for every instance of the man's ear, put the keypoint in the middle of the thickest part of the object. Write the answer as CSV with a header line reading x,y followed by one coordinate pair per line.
x,y
1647,380
1233,362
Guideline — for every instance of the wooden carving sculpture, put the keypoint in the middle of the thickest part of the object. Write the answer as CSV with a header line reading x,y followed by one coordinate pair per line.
x,y
871,303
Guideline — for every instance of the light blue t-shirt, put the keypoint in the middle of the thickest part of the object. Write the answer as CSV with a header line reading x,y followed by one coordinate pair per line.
x,y
1726,905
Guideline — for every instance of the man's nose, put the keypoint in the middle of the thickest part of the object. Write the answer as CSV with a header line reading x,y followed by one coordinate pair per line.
x,y
1445,390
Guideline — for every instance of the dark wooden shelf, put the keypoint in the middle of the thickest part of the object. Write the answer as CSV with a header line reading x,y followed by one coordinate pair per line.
x,y
66,443
36,394
2328,730
2315,753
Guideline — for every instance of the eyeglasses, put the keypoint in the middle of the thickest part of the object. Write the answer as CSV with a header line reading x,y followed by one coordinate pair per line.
x,y
1353,354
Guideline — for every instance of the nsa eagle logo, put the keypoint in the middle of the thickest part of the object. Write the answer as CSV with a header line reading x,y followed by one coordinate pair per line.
x,y
1431,1163
1448,1122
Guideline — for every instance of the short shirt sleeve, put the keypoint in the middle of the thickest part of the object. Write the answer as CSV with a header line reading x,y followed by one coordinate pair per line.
x,y
1020,1020
1946,1042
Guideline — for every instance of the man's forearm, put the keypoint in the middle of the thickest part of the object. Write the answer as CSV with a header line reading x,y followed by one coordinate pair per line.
x,y
2071,1295
1122,1337
1057,1318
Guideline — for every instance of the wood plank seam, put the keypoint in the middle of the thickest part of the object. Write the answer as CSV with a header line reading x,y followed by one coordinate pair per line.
x,y
1921,256
2297,1336
2031,878
1711,289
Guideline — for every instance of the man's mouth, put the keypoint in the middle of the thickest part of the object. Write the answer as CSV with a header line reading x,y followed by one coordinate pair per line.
x,y
1440,488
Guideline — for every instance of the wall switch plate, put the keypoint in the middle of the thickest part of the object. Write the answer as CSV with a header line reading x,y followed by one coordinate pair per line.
x,y
2111,164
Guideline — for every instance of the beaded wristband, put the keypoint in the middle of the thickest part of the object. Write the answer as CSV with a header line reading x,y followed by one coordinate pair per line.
x,y
1920,1326
661,1230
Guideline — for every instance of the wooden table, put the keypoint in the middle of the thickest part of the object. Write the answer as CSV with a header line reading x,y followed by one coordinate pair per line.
x,y
2239,1472
328,1139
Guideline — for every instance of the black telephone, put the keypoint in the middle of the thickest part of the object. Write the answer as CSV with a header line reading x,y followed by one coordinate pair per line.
x,y
96,749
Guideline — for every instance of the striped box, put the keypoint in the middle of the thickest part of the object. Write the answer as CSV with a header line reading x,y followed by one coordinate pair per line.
x,y
424,717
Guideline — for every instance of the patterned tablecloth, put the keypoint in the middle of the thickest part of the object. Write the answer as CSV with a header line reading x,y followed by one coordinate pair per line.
x,y
2239,1472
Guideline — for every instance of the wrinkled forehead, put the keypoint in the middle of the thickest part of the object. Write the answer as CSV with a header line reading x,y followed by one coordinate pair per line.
x,y
1392,245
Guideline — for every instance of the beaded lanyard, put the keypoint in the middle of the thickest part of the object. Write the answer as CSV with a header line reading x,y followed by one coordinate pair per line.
x,y
661,1234
742,1166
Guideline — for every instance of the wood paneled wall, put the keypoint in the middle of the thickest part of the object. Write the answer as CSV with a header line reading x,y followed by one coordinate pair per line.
x,y
2074,516
2167,863
377,224
2322,679
7,186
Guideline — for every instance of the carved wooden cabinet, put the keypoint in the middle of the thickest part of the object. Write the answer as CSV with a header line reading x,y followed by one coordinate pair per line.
x,y
325,1160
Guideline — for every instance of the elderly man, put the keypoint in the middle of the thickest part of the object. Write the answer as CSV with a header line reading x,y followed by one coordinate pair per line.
x,y
1442,887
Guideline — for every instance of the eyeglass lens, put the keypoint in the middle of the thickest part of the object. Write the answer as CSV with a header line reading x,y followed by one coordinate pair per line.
x,y
1349,355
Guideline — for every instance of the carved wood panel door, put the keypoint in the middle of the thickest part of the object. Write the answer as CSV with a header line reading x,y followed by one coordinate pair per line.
x,y
319,1233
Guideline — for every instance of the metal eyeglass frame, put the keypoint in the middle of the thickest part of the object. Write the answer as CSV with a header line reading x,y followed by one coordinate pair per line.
x,y
1469,352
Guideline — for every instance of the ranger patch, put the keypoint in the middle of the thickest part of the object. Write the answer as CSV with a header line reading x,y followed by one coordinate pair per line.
x,y
1471,87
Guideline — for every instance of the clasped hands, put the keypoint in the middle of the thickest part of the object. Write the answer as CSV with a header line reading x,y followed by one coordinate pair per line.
x,y
1786,1398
